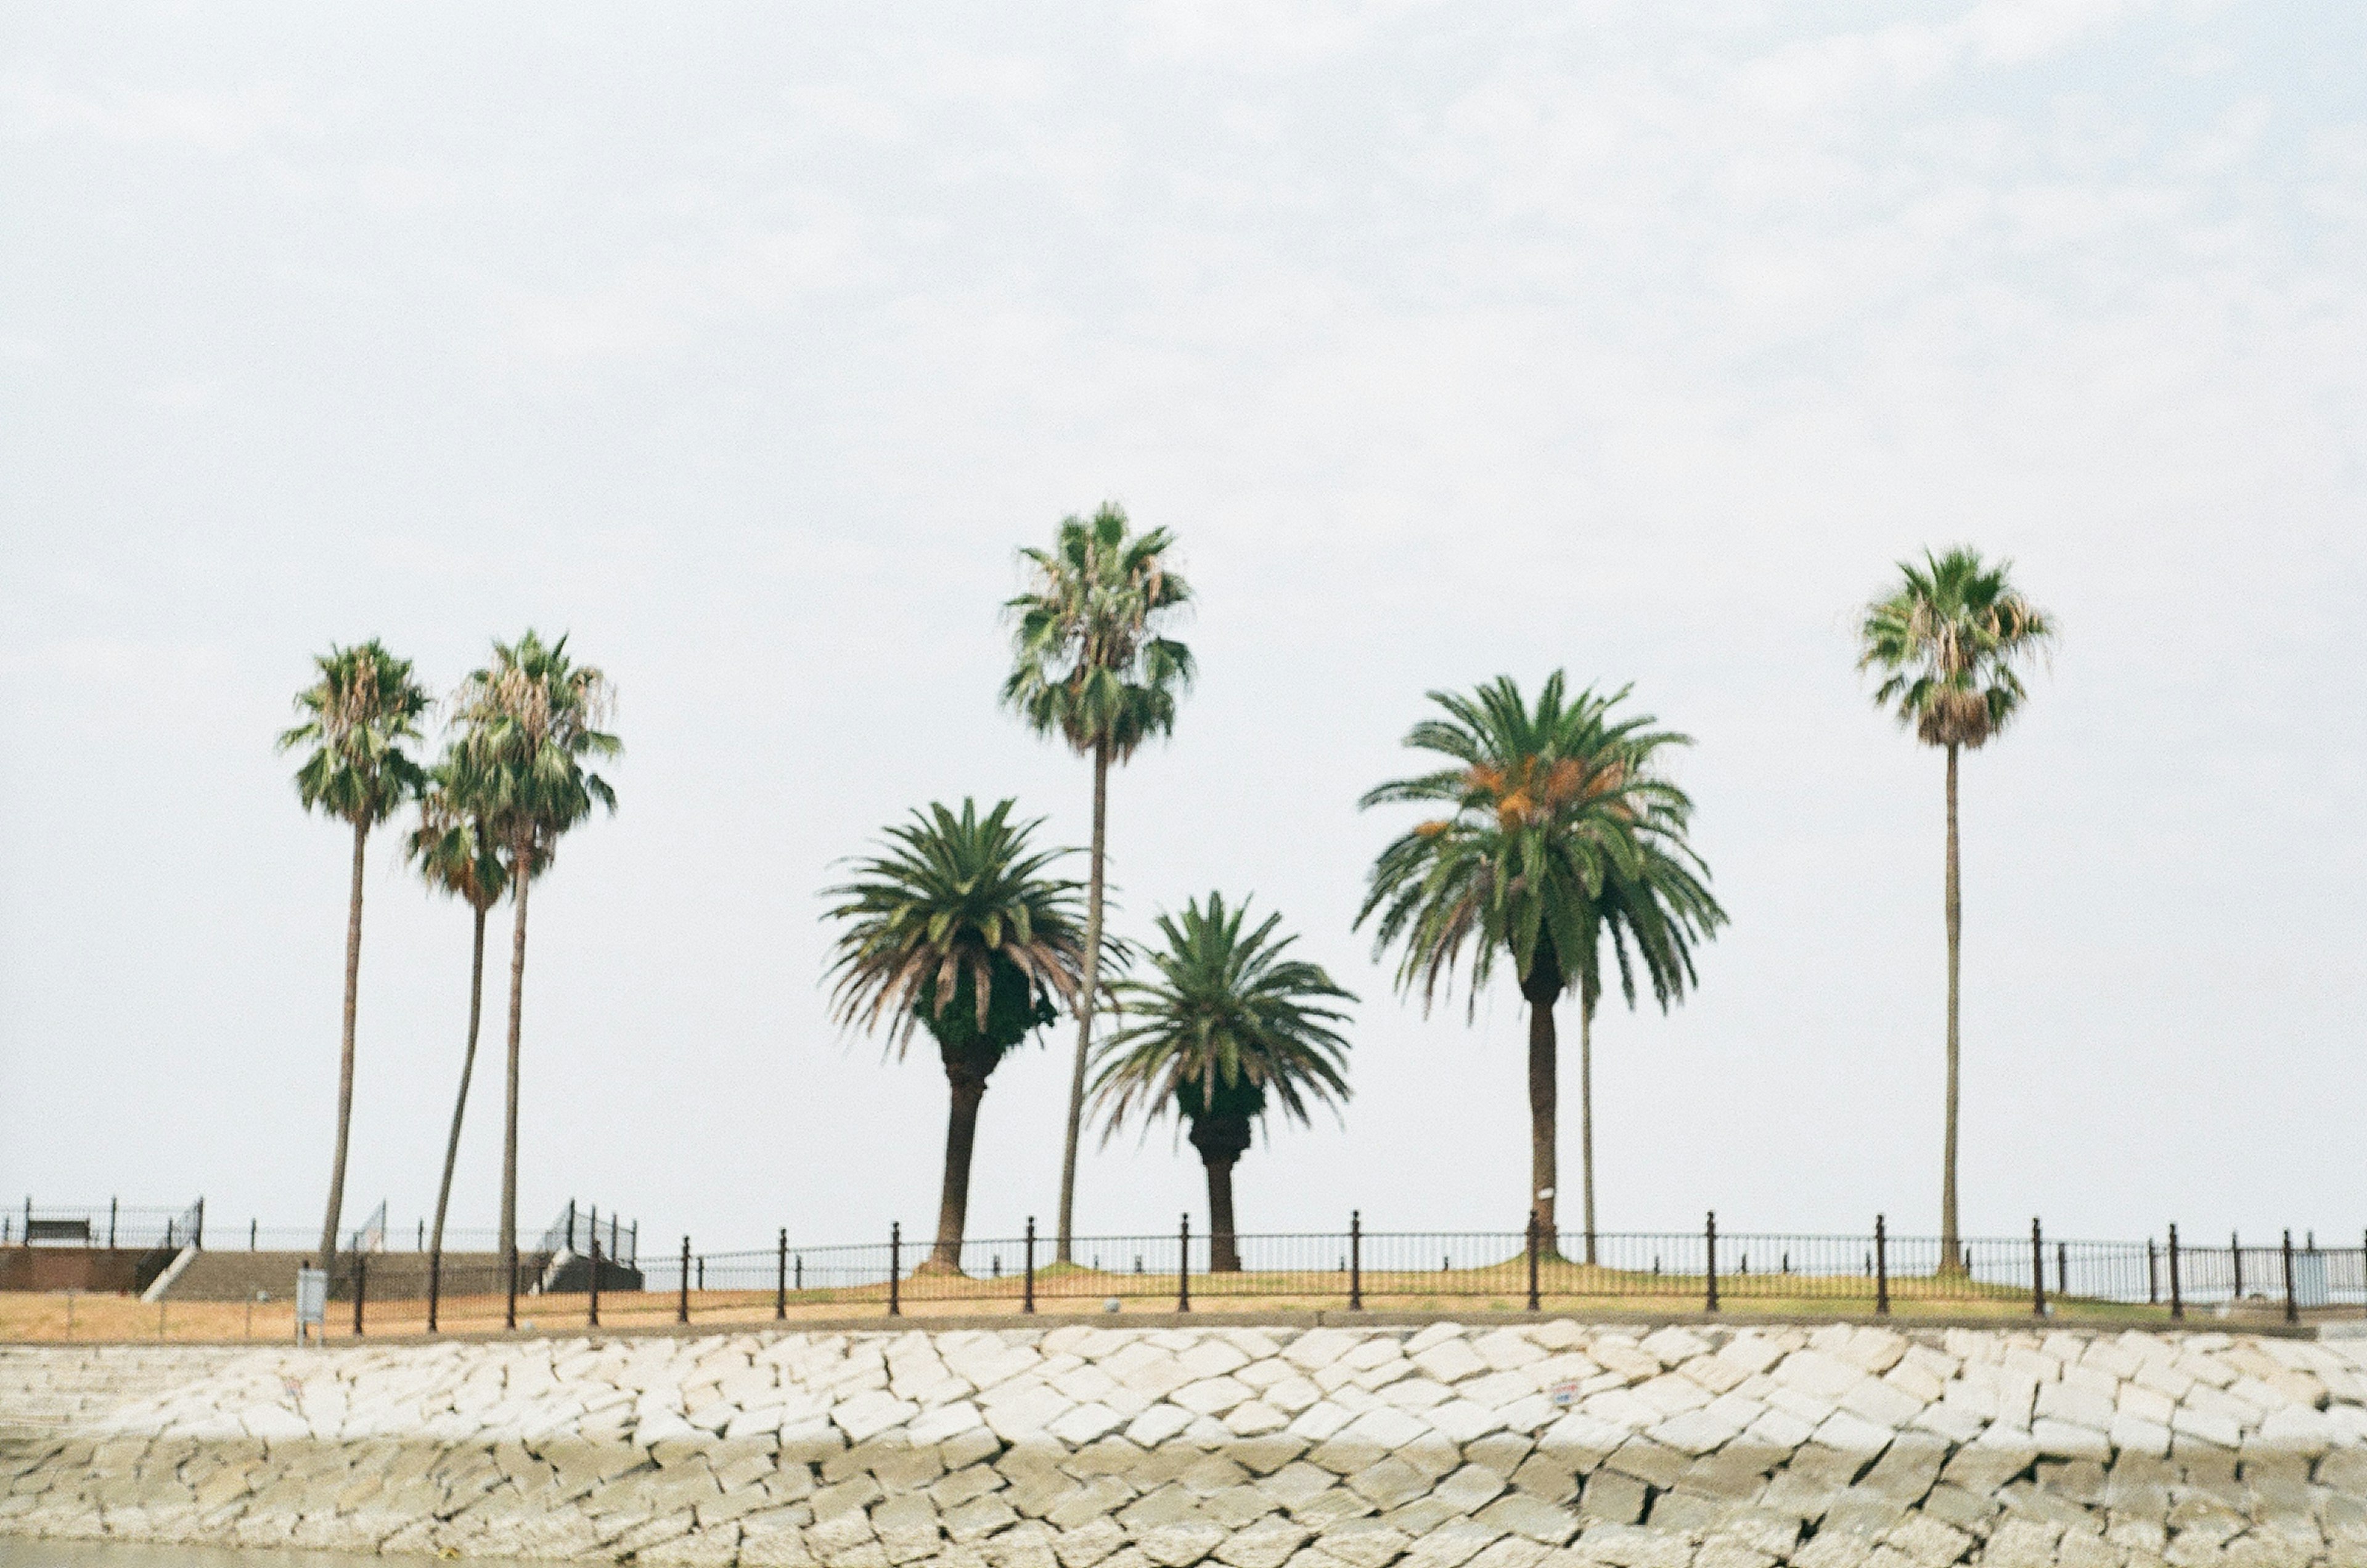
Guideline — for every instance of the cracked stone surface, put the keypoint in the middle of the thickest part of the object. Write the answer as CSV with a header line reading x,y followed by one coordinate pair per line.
x,y
1553,1444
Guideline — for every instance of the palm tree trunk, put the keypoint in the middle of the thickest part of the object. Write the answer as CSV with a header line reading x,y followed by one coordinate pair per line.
x,y
522,861
1085,1005
1544,1118
1586,1109
345,1058
961,1137
1951,1250
467,1065
1224,1250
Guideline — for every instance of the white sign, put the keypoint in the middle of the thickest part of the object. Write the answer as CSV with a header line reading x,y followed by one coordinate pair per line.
x,y
311,1298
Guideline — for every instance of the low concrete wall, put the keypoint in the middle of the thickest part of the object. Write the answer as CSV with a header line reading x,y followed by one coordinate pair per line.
x,y
1550,1445
100,1269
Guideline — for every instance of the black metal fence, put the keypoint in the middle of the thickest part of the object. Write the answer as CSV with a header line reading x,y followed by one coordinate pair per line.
x,y
111,1224
1704,1270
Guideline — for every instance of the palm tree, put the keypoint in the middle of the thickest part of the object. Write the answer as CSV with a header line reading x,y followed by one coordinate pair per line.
x,y
358,717
955,926
1947,640
1552,811
1231,1026
529,722
1090,665
1662,909
458,853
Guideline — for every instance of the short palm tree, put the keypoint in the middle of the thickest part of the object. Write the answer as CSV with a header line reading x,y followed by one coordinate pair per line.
x,y
358,717
1229,1027
1947,640
1556,814
529,725
957,926
1090,665
458,853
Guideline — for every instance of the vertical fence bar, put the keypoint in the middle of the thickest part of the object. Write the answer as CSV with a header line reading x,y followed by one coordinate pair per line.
x,y
2177,1305
435,1285
361,1288
110,1223
250,1233
1027,1302
2153,1282
1709,1231
1184,1266
197,1233
1531,1248
681,1288
2292,1305
2235,1261
2037,1269
2062,1269
1356,1260
780,1277
895,1268
1881,1268
592,1302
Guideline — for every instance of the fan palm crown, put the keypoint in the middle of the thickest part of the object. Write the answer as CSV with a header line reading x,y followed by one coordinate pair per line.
x,y
1092,665
1229,1025
1559,824
957,926
1947,640
357,720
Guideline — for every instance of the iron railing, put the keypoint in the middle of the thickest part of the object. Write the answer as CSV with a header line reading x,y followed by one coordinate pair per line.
x,y
112,1224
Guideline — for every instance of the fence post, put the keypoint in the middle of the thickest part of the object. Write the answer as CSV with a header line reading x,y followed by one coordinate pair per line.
x,y
592,1302
2292,1305
361,1287
2176,1306
781,1279
1881,1268
2235,1261
197,1238
682,1291
1532,1238
509,1278
1027,1302
895,1268
1710,1231
2062,1269
2037,1269
1184,1266
110,1223
2153,1279
250,1233
435,1285
1356,1260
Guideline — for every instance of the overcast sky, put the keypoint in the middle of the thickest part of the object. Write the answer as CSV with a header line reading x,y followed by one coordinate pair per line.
x,y
746,345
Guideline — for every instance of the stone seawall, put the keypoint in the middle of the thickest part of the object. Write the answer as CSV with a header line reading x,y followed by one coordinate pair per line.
x,y
1552,1445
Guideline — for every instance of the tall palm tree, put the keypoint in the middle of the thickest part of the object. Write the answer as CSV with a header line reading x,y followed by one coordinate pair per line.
x,y
1231,1026
1947,638
529,724
957,927
1090,665
1659,910
1550,810
458,853
358,717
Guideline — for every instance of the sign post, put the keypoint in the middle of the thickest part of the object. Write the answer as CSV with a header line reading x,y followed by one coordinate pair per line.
x,y
312,1301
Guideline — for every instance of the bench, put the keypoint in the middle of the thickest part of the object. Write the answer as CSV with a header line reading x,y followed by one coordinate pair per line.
x,y
57,1230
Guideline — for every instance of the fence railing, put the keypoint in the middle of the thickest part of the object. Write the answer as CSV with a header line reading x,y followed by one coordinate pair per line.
x,y
1705,1270
112,1224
